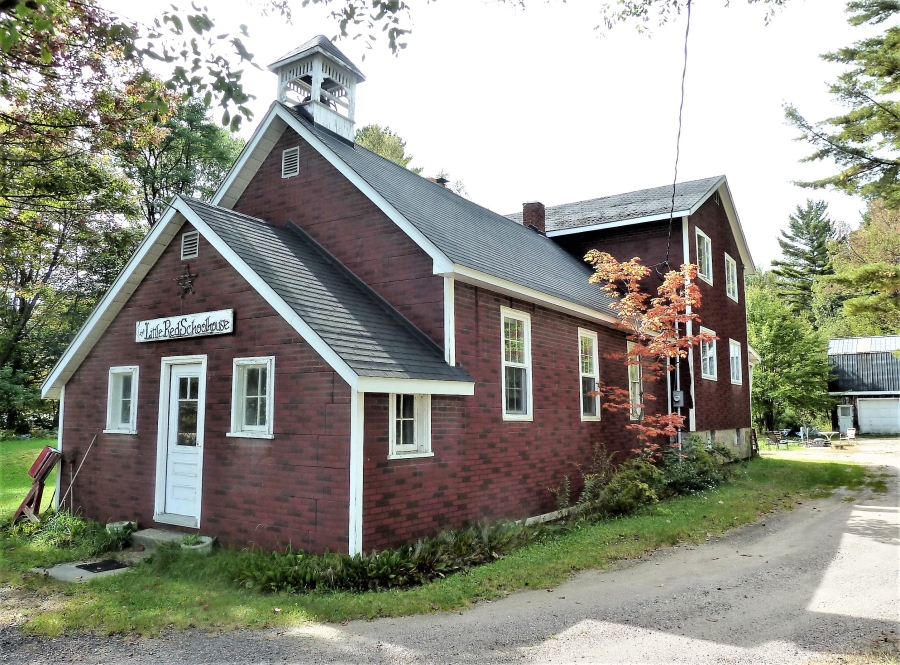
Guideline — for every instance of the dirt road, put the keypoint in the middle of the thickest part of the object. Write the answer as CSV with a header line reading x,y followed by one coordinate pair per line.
x,y
818,580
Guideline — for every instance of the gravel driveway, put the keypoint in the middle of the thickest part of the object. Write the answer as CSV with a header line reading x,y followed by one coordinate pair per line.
x,y
818,580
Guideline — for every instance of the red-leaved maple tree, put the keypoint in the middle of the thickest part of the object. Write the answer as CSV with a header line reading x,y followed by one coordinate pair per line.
x,y
657,328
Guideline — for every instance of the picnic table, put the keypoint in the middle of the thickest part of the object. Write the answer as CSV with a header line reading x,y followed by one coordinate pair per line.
x,y
828,435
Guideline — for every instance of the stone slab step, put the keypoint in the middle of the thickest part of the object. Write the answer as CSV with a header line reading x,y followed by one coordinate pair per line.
x,y
150,538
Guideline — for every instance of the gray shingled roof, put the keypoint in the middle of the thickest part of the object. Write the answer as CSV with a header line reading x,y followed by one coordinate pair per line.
x,y
470,235
851,345
623,207
322,42
363,329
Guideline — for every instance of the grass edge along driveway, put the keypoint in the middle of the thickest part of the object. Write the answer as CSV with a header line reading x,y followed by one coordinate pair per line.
x,y
191,591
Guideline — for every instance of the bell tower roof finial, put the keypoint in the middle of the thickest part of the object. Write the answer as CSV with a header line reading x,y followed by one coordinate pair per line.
x,y
317,76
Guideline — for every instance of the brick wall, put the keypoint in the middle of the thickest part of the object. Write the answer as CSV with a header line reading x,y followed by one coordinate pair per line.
x,y
334,212
484,467
290,489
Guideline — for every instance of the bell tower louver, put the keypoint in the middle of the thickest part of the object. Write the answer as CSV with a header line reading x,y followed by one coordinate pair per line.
x,y
321,79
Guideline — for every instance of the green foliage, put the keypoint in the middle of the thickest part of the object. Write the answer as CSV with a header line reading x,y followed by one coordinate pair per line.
x,y
385,142
661,11
864,142
191,539
631,488
805,247
793,371
65,531
696,467
449,552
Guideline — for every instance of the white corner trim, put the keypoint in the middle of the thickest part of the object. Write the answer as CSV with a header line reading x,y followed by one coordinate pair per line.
x,y
374,384
357,428
449,321
59,445
686,249
111,303
278,304
478,278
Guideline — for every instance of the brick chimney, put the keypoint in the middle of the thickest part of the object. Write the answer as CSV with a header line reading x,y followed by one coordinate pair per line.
x,y
533,215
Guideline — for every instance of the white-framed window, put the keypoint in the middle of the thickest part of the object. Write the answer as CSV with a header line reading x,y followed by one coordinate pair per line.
x,y
734,355
635,388
515,330
121,403
589,374
704,257
708,357
190,245
410,426
731,278
290,162
253,398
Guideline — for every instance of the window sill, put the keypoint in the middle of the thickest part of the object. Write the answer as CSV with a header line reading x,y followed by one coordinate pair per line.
x,y
410,455
590,419
708,280
522,419
734,298
708,377
119,431
250,435
736,383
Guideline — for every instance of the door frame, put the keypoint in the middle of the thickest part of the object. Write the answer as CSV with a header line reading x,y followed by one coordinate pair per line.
x,y
162,439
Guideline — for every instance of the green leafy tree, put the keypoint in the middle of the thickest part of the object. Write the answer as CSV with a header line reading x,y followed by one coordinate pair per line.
x,y
188,154
806,252
792,375
387,143
864,142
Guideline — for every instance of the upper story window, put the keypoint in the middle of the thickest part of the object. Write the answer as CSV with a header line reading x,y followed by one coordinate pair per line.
x,y
704,257
516,365
708,357
121,406
290,162
252,397
190,245
589,372
635,388
734,354
731,278
410,426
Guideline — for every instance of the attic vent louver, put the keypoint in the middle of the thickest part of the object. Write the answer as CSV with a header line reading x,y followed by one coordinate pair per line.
x,y
290,162
190,245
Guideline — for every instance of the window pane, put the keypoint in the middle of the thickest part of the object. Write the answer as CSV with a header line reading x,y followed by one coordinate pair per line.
x,y
515,390
251,411
588,402
125,413
252,381
194,387
183,387
126,385
408,406
187,423
409,432
263,380
263,405
514,340
587,355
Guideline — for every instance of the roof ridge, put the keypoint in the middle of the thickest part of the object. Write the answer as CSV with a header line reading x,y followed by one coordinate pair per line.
x,y
365,288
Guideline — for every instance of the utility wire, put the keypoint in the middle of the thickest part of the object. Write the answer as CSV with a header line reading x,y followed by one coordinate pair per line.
x,y
687,32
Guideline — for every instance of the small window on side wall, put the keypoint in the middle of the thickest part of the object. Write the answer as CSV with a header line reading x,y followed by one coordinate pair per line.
x,y
121,408
731,278
410,425
290,162
704,257
708,368
252,398
734,355
635,388
516,364
589,373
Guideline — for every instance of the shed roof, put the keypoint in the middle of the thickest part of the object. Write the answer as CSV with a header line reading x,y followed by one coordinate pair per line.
x,y
631,206
852,345
363,329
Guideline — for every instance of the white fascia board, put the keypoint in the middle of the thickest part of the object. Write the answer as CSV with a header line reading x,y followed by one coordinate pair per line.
x,y
623,222
375,384
233,186
866,392
736,229
478,278
109,306
277,302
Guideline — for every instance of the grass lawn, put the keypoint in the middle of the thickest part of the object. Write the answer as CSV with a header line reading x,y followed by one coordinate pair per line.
x,y
184,590
16,457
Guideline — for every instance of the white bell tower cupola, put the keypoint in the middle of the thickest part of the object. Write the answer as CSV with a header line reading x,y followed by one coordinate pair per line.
x,y
321,79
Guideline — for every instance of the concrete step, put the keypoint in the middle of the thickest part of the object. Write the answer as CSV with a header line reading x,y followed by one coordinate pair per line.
x,y
150,538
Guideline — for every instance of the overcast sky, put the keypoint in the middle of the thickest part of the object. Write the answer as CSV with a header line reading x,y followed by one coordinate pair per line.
x,y
535,105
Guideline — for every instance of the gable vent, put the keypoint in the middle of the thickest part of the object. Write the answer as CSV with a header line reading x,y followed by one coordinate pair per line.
x,y
290,162
190,245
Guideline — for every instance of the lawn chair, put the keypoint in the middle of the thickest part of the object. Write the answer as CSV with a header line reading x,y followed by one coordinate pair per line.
x,y
849,437
775,439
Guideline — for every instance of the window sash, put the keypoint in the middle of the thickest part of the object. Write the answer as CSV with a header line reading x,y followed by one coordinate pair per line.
x,y
252,399
409,427
121,408
589,373
635,389
708,357
516,364
704,256
731,287
735,360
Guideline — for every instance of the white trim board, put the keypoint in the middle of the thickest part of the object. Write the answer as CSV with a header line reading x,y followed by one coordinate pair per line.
x,y
357,433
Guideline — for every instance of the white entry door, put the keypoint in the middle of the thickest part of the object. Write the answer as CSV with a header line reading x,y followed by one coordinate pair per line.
x,y
183,471
845,417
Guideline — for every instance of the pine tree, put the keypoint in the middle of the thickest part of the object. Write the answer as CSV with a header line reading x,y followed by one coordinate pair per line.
x,y
806,255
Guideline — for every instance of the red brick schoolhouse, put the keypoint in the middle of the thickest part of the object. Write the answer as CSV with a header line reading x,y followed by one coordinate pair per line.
x,y
338,353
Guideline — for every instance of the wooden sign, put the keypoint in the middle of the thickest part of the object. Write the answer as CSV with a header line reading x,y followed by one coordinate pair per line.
x,y
220,322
